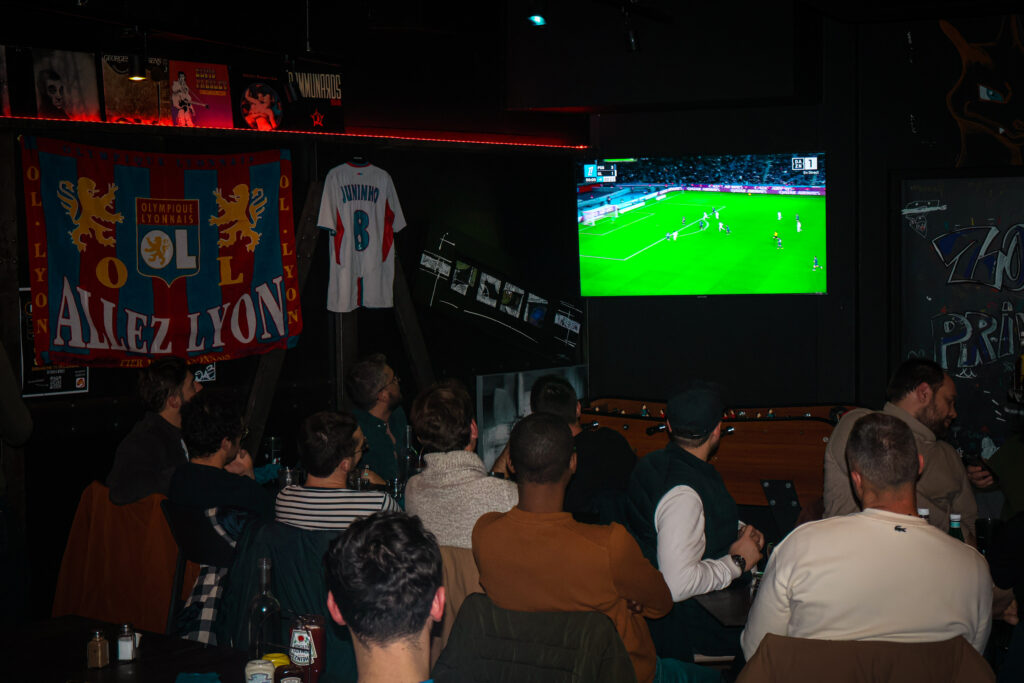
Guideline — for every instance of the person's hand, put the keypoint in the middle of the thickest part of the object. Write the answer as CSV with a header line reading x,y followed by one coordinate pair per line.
x,y
1009,615
980,477
747,546
501,464
757,535
376,478
634,606
242,464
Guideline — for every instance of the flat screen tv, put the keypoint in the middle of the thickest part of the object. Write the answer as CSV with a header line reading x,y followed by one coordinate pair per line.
x,y
702,225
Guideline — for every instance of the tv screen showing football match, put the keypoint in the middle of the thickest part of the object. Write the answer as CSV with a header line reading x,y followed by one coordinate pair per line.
x,y
702,225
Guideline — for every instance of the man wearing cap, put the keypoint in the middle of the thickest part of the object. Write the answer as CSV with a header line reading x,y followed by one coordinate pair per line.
x,y
687,525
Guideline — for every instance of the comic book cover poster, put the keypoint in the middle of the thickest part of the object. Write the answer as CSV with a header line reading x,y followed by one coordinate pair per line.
x,y
313,101
5,93
200,95
66,85
259,101
128,101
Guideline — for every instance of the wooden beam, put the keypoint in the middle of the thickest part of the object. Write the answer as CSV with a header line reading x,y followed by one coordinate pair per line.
x,y
346,352
409,328
264,383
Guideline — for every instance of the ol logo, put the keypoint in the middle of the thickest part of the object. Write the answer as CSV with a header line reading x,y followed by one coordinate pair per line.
x,y
167,237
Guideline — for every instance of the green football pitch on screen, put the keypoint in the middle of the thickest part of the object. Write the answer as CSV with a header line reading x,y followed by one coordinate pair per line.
x,y
667,247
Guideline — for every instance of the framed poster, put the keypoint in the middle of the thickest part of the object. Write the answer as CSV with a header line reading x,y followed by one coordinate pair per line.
x,y
44,380
503,398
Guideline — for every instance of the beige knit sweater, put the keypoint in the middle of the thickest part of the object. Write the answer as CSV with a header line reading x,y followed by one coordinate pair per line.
x,y
453,492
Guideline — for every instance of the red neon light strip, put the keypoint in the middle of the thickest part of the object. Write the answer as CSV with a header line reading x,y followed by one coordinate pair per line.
x,y
435,136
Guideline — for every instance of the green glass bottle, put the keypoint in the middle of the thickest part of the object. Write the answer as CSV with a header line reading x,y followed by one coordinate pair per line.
x,y
954,527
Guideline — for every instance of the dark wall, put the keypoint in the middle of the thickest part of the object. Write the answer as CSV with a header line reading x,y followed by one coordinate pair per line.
x,y
606,56
767,350
882,116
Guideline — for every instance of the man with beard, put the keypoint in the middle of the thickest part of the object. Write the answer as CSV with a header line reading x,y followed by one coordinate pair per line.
x,y
374,388
147,458
882,574
924,397
688,526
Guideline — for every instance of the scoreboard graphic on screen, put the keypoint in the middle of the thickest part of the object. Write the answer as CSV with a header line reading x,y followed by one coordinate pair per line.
x,y
805,163
599,173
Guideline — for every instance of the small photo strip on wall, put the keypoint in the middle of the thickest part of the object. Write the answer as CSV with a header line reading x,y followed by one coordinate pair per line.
x,y
489,291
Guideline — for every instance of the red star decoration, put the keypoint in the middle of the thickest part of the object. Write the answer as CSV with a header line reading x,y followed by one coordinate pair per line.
x,y
318,118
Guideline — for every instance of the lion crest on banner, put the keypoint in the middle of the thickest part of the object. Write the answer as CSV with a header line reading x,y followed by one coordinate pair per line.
x,y
238,214
90,211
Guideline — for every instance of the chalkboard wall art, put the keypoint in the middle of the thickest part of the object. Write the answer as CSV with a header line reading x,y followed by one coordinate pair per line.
x,y
962,282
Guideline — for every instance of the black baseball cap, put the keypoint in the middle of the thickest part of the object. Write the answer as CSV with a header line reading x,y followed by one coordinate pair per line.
x,y
695,410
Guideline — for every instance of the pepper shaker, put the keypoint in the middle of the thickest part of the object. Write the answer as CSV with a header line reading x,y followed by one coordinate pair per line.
x,y
97,651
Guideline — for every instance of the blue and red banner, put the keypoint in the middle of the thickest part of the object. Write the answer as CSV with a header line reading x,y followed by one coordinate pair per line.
x,y
136,255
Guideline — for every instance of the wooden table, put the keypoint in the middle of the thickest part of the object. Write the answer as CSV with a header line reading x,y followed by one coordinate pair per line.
x,y
54,650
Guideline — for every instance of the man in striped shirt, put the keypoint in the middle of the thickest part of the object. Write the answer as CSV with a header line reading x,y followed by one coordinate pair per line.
x,y
331,444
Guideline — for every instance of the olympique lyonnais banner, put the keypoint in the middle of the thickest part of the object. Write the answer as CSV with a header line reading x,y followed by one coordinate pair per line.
x,y
137,255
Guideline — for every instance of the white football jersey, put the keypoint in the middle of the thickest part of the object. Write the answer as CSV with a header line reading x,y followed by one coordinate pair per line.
x,y
360,205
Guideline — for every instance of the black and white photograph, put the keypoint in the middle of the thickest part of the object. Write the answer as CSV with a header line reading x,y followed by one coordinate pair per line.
x,y
489,291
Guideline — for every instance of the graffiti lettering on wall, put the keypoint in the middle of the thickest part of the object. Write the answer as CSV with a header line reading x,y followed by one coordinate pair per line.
x,y
969,255
964,342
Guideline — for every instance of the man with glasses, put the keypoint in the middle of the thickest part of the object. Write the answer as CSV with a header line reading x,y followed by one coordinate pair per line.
x,y
375,390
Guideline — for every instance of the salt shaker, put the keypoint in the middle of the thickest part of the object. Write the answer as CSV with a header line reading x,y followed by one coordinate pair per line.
x,y
126,644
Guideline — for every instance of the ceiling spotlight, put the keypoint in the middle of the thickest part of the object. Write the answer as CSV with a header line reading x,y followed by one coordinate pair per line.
x,y
136,68
136,40
535,13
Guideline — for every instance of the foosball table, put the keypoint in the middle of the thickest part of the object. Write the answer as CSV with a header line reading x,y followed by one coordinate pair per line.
x,y
767,455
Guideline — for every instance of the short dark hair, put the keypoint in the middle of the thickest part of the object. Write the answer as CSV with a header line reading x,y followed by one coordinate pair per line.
x,y
555,395
325,439
883,450
442,416
911,373
208,419
383,572
159,380
540,448
691,443
366,379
